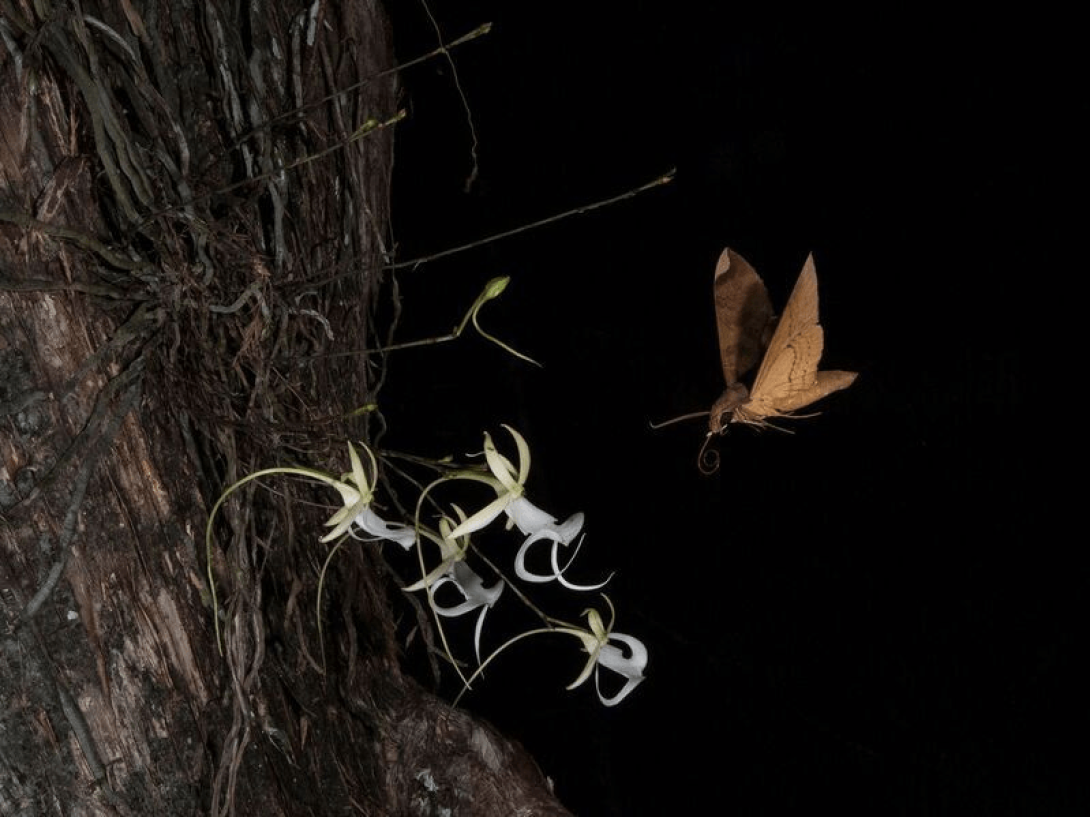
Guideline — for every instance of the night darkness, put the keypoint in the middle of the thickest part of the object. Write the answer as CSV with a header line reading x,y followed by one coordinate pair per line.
x,y
871,614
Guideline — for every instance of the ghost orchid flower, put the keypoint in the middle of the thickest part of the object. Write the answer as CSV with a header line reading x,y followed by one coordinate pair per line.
x,y
453,570
451,551
603,654
596,640
509,483
357,493
471,586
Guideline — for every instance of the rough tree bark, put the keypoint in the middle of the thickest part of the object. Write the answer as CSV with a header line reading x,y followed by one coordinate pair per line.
x,y
190,216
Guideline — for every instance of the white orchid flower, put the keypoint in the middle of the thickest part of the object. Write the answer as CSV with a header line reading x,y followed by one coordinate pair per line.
x,y
453,570
603,654
451,551
510,485
629,663
559,536
471,586
508,481
357,493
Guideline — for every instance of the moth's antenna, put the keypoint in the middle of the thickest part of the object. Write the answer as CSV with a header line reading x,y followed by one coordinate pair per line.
x,y
680,419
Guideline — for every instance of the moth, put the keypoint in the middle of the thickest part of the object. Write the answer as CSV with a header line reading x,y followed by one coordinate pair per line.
x,y
788,349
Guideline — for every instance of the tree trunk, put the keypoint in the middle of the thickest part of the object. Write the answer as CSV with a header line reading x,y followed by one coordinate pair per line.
x,y
190,218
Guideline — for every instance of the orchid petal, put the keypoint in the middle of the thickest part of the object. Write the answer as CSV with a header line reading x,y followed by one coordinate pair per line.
x,y
524,454
342,520
451,551
559,571
520,562
529,518
370,522
342,513
501,467
471,586
483,517
555,535
570,528
613,700
430,580
631,667
594,619
358,476
613,658
494,597
591,645
349,495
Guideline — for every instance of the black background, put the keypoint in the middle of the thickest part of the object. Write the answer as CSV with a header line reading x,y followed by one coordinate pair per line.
x,y
874,613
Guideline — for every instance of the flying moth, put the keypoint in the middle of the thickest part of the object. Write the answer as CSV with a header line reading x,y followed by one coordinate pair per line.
x,y
788,350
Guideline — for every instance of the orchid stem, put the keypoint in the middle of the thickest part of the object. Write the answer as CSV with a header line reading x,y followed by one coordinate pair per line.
x,y
514,587
665,178
658,181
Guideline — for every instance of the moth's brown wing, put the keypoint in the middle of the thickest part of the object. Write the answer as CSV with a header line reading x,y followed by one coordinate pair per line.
x,y
788,378
743,312
825,383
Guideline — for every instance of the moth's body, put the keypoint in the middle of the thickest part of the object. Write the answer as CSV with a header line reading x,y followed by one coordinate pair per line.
x,y
789,350
724,409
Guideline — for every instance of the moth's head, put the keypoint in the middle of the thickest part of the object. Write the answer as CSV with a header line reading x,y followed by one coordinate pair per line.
x,y
723,409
